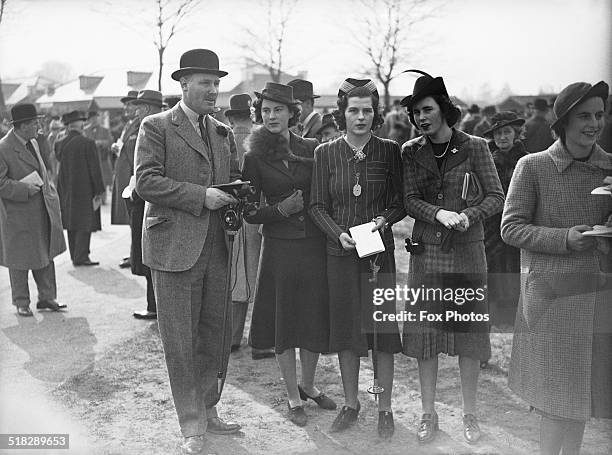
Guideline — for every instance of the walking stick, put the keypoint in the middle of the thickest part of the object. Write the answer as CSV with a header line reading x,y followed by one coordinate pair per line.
x,y
375,389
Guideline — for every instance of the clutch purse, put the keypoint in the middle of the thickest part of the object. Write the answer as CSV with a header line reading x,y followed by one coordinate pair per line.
x,y
472,192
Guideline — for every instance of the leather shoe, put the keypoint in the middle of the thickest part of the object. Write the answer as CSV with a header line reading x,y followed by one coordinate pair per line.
x,y
322,400
24,311
145,314
50,305
125,263
193,445
471,430
87,262
262,354
297,415
346,418
428,427
218,426
386,427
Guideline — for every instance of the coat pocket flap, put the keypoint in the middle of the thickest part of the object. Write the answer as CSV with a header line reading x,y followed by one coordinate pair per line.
x,y
151,221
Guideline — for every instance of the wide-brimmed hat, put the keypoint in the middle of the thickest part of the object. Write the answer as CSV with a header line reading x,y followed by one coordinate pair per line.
x,y
150,97
131,96
302,89
280,93
239,104
502,119
574,94
198,61
425,86
24,112
73,116
349,84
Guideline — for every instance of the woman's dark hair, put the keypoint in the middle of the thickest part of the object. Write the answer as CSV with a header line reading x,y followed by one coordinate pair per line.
x,y
342,103
293,108
451,113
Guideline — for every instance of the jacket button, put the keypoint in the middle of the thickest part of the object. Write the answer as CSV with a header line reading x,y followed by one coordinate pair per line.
x,y
440,196
438,234
301,217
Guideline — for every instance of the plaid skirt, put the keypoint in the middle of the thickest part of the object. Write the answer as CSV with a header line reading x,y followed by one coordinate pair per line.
x,y
423,339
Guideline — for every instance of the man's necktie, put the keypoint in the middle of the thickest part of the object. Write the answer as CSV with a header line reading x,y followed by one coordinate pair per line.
x,y
205,139
30,148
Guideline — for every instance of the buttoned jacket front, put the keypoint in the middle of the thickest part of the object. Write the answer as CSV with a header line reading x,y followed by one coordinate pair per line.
x,y
174,168
427,190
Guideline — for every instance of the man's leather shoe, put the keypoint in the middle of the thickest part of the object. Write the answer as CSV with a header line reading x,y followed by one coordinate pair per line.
x,y
346,418
87,262
193,445
50,305
258,354
322,400
24,311
125,263
145,314
218,426
386,427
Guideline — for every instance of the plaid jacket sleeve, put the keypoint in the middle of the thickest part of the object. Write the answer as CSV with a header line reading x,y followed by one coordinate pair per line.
x,y
414,204
395,209
320,200
517,228
483,165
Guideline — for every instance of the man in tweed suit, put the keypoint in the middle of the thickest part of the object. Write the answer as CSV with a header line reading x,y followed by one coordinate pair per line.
x,y
180,153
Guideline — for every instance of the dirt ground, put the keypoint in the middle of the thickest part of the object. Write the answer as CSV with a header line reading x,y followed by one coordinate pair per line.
x,y
124,400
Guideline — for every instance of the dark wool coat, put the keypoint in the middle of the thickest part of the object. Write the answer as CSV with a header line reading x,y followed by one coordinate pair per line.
x,y
124,169
563,296
79,180
30,227
538,136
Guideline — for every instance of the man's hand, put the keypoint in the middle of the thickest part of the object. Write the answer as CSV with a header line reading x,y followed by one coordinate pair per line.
x,y
292,204
450,220
578,242
32,189
347,242
216,198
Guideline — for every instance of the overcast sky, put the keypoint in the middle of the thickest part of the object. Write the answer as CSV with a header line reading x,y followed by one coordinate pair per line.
x,y
477,45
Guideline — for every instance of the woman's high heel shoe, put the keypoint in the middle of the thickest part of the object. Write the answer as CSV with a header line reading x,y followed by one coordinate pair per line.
x,y
322,400
426,432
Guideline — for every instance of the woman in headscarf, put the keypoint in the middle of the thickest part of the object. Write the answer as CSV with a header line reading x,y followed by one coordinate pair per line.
x,y
450,187
503,260
357,178
290,308
561,360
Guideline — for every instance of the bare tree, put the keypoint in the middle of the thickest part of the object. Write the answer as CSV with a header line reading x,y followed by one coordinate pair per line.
x,y
386,35
2,102
268,50
170,13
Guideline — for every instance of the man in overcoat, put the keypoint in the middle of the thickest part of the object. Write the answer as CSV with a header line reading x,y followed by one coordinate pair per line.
x,y
310,120
103,139
180,154
79,184
538,136
30,225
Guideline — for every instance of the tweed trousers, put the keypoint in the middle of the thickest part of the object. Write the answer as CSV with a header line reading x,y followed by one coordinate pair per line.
x,y
190,317
45,281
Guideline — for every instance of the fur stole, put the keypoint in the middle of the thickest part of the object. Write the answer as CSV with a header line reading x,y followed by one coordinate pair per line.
x,y
271,147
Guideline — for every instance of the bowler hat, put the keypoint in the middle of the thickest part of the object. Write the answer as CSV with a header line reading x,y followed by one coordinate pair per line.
x,y
278,92
574,94
502,119
425,86
239,104
131,96
540,104
302,89
198,61
349,84
151,97
73,116
24,112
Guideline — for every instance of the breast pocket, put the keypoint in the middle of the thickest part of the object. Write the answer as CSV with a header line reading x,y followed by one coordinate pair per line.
x,y
377,172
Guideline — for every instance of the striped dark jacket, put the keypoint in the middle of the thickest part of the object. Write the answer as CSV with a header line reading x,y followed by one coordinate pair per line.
x,y
334,207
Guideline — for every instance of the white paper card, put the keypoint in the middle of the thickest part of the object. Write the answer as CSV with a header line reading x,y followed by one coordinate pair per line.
x,y
127,191
33,178
602,190
367,242
599,231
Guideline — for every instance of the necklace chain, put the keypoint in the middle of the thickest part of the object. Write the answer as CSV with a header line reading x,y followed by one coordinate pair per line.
x,y
445,150
354,148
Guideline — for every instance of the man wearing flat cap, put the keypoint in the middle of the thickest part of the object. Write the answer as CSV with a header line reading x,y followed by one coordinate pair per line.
x,y
310,120
30,224
80,187
180,154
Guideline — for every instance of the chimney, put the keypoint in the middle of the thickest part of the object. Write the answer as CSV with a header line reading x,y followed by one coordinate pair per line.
x,y
137,80
89,83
